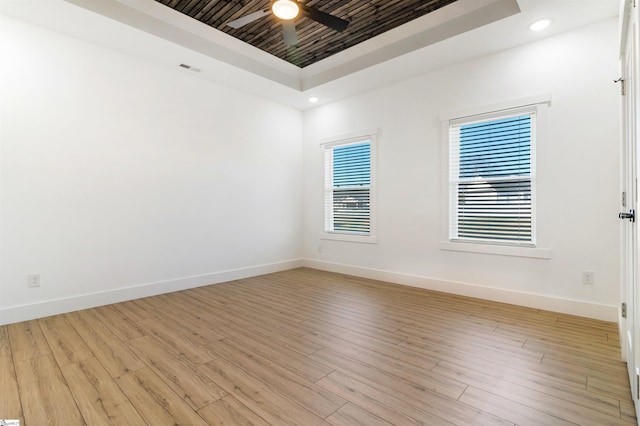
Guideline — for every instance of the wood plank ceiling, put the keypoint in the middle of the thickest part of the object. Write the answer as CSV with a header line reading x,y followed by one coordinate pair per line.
x,y
367,19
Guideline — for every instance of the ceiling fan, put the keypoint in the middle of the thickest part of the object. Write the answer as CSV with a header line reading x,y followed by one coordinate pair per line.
x,y
287,11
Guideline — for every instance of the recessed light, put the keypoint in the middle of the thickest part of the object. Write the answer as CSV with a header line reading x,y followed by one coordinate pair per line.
x,y
540,25
313,99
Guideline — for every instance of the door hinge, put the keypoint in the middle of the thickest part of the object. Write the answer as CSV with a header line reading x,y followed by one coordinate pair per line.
x,y
622,85
637,385
623,308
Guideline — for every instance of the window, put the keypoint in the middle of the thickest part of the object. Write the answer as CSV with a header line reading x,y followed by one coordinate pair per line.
x,y
492,178
349,191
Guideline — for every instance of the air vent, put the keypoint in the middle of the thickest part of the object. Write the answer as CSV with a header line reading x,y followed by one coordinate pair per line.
x,y
189,67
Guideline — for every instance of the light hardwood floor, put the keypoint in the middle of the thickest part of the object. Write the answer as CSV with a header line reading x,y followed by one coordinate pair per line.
x,y
305,348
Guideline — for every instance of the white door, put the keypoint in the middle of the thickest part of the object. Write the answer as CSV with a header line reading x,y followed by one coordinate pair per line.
x,y
630,292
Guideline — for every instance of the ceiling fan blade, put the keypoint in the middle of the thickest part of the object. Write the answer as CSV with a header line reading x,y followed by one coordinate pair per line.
x,y
324,18
247,19
289,33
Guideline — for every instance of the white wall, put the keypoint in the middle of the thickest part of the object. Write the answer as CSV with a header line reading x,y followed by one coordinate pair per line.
x,y
122,179
578,172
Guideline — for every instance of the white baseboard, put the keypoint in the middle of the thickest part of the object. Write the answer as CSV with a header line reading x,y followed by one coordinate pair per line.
x,y
531,300
84,301
68,304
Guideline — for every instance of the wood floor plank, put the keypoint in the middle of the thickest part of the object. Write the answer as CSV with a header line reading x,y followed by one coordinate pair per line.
x,y
5,345
344,328
45,397
257,396
183,378
181,330
424,379
27,340
548,336
112,353
444,350
380,350
469,334
139,309
122,326
384,405
447,320
206,307
279,335
616,386
10,406
565,405
308,347
498,361
317,306
478,343
252,298
559,387
65,343
193,326
572,352
525,374
509,410
157,404
423,398
311,396
581,324
228,411
262,315
172,336
627,412
290,359
352,415
212,296
613,371
195,310
272,311
99,399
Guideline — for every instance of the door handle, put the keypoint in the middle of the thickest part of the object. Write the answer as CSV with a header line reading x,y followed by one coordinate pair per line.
x,y
631,215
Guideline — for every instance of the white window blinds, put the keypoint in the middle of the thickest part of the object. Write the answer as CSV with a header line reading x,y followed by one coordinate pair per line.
x,y
491,179
348,188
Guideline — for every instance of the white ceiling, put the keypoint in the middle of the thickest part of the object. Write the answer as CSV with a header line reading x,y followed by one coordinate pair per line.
x,y
149,31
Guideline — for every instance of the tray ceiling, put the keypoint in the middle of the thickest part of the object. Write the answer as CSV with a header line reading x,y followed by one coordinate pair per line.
x,y
458,32
315,41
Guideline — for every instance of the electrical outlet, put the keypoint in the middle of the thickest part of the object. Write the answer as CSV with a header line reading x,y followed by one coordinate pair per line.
x,y
33,280
587,277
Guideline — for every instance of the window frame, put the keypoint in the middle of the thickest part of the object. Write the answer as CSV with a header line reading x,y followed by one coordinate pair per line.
x,y
537,105
345,140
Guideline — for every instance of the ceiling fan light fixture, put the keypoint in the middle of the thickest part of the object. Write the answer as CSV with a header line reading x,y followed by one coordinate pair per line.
x,y
285,9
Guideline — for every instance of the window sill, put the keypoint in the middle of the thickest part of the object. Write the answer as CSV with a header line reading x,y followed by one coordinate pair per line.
x,y
533,252
366,239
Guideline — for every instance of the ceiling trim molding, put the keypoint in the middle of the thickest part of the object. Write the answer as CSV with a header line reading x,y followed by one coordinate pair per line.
x,y
161,21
